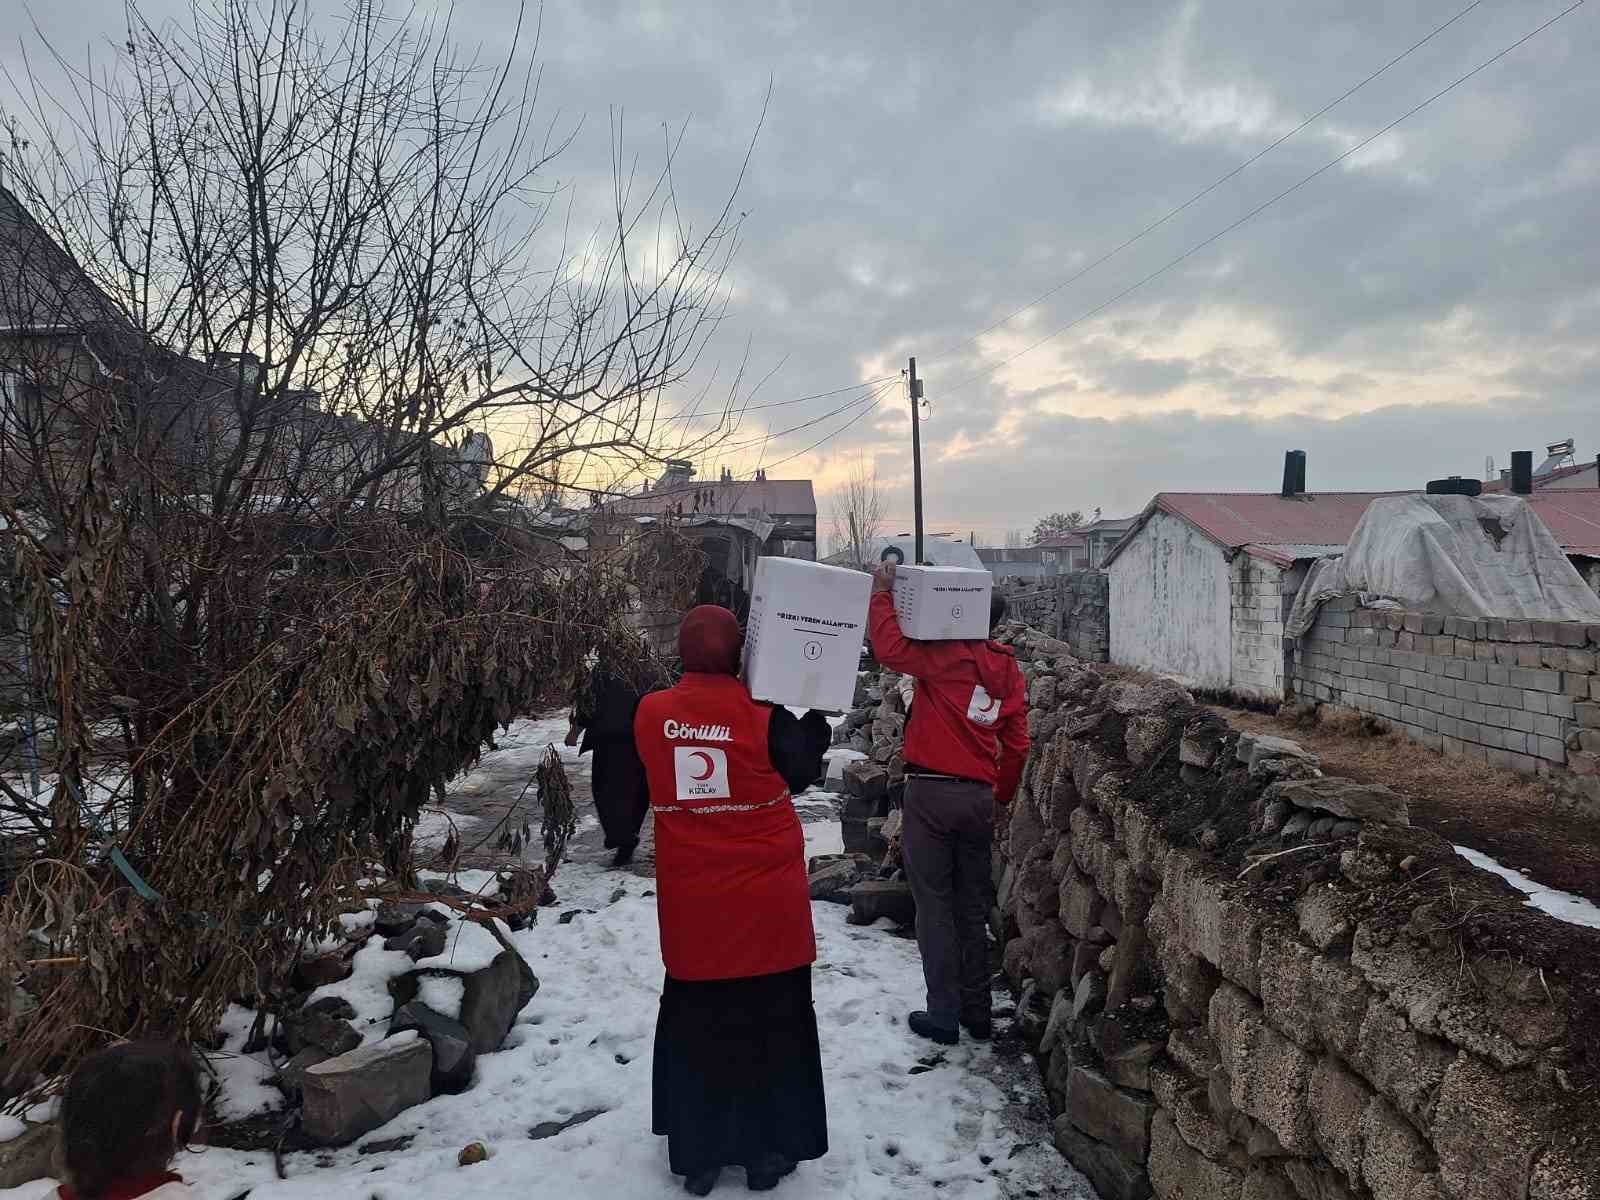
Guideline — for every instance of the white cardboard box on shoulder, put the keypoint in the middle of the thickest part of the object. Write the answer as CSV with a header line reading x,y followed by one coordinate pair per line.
x,y
802,643
942,604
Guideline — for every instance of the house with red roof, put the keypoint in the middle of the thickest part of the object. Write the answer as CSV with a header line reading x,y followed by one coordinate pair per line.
x,y
1201,584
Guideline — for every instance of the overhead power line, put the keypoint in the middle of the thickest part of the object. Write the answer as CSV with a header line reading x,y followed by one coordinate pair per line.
x,y
1262,207
824,441
781,433
709,416
1206,191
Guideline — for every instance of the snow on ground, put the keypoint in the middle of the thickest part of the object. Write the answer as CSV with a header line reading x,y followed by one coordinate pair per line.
x,y
245,1090
517,752
903,1120
434,825
1563,906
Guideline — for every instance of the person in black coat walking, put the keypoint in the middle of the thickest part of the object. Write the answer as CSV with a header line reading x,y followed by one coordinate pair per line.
x,y
603,719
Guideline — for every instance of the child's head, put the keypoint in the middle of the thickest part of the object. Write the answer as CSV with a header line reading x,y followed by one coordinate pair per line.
x,y
127,1112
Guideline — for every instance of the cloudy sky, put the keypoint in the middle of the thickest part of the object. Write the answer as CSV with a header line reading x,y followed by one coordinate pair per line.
x,y
926,171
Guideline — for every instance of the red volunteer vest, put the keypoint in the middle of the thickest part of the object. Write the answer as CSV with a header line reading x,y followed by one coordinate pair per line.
x,y
732,896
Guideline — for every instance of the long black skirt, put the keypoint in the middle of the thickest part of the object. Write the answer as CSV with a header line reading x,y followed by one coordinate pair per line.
x,y
738,1072
621,793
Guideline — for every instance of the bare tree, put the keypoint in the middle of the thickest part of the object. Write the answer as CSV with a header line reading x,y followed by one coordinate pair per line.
x,y
270,301
1014,539
366,222
858,511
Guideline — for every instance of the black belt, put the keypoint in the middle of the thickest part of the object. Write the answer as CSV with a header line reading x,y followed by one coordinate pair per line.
x,y
919,773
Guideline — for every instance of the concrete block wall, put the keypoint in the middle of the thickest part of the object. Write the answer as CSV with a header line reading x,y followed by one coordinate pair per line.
x,y
1518,694
1256,602
1297,1029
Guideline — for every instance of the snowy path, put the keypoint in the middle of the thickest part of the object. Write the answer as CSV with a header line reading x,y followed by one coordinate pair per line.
x,y
967,1125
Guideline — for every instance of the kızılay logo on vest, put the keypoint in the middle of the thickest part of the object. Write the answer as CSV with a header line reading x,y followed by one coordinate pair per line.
x,y
702,773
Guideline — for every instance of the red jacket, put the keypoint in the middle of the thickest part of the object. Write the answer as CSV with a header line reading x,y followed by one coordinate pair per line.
x,y
730,855
970,714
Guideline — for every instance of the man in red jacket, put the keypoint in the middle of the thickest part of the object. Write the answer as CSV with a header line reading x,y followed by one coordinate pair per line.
x,y
966,743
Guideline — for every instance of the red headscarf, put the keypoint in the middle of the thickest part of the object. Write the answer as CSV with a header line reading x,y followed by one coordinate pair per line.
x,y
708,641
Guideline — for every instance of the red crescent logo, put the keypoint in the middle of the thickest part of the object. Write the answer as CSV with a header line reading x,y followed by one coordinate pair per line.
x,y
710,766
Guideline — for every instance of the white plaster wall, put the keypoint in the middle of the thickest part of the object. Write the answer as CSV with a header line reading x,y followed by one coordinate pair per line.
x,y
1170,605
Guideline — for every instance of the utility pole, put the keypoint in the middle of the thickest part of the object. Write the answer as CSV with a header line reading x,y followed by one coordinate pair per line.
x,y
916,452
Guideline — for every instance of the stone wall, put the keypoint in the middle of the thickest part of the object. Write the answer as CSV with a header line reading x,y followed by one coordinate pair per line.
x,y
1246,980
1075,605
1518,694
1083,614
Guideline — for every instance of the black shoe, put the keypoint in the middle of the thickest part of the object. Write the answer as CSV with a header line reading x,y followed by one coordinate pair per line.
x,y
925,1026
769,1172
979,1026
702,1183
624,854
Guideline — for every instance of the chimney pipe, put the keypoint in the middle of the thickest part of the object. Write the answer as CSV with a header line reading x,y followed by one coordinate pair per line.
x,y
1522,472
1294,473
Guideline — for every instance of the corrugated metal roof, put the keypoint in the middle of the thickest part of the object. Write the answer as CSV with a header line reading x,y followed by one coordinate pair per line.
x,y
1263,519
1291,552
1573,516
775,497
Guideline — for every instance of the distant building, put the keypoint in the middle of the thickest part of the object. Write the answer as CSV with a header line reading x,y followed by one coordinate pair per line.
x,y
788,505
1560,471
1023,564
1088,547
734,522
1070,551
1103,535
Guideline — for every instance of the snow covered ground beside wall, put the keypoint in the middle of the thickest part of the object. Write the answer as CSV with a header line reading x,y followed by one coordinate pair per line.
x,y
903,1121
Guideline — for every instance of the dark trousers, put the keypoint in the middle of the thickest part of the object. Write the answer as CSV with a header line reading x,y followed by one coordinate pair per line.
x,y
945,840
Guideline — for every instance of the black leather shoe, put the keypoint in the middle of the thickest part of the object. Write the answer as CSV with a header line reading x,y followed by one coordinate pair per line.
x,y
925,1026
703,1183
767,1174
979,1026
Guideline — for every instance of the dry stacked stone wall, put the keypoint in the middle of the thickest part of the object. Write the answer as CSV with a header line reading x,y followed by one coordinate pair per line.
x,y
1084,611
1246,980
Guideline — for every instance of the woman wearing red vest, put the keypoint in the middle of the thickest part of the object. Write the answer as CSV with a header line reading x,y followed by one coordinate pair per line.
x,y
738,1071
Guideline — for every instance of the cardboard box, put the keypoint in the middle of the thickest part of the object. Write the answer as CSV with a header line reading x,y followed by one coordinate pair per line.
x,y
942,604
802,644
